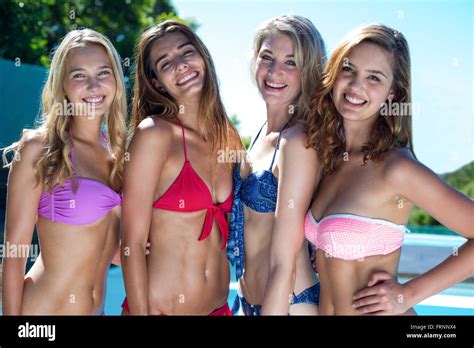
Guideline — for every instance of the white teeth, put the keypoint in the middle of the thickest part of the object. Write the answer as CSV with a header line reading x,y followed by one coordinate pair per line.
x,y
274,85
187,77
94,99
354,100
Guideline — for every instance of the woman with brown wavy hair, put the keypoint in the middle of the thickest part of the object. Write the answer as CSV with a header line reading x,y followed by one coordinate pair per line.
x,y
371,179
176,192
66,178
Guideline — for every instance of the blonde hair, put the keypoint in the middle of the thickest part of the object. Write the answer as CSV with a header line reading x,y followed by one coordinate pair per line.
x,y
309,52
325,130
213,123
55,166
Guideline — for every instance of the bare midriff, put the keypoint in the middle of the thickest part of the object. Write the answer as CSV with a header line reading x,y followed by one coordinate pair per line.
x,y
185,276
341,279
69,275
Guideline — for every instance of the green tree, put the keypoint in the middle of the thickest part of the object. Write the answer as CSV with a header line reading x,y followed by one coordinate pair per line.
x,y
461,179
31,29
236,122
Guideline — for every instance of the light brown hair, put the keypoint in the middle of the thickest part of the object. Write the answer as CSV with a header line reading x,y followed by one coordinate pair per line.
x,y
213,123
324,124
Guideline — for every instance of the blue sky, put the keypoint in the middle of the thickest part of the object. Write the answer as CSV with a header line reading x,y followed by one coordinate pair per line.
x,y
439,33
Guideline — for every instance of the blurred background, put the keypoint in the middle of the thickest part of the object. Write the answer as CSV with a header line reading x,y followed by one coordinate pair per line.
x,y
439,33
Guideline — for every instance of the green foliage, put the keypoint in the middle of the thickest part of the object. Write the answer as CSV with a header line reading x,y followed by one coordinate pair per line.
x,y
31,29
461,179
420,217
246,142
236,122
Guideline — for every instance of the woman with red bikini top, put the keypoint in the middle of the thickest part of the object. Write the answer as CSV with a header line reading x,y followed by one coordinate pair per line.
x,y
176,193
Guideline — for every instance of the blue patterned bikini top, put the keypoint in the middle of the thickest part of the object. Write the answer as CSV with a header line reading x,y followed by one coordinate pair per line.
x,y
258,191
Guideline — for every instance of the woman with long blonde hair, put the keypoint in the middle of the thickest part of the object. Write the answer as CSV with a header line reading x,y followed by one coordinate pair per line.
x,y
177,192
66,178
287,64
361,129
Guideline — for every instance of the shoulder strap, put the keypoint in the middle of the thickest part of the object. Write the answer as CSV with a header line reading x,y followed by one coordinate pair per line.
x,y
254,140
278,143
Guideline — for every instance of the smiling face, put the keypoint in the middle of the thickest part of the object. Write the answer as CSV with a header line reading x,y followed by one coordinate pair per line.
x,y
364,83
277,77
178,66
89,79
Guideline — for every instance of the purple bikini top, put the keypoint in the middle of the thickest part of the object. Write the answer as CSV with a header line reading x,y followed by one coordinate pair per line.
x,y
92,200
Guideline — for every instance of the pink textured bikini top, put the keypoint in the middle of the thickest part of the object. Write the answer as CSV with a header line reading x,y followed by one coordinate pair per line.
x,y
92,200
353,237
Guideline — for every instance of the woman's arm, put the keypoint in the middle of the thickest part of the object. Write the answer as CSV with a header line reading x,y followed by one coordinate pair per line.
x,y
298,173
447,205
21,211
118,252
147,156
117,261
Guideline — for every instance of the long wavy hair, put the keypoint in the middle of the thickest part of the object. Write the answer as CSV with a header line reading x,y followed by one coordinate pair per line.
x,y
213,124
324,126
309,52
55,166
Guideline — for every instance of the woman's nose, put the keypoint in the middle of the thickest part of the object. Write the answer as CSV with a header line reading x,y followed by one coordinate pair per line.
x,y
93,83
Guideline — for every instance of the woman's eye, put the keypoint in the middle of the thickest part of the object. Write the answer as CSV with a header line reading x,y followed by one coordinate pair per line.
x,y
78,76
347,69
165,65
188,53
265,57
104,73
290,62
374,78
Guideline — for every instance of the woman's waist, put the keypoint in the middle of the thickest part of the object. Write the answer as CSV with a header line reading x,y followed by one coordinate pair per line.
x,y
68,273
253,283
187,271
186,295
86,278
257,241
84,269
51,295
341,279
